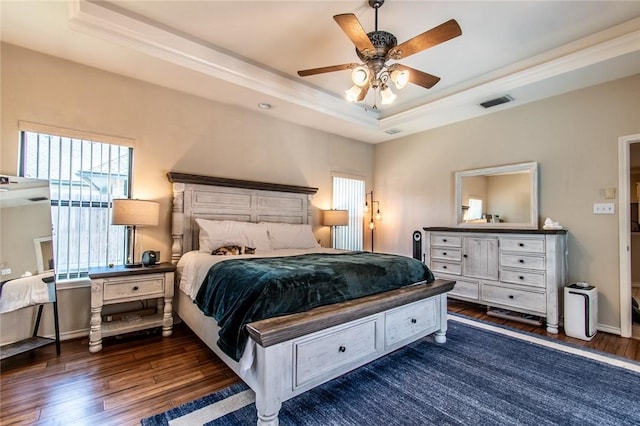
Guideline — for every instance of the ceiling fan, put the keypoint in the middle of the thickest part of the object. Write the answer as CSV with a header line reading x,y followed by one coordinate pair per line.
x,y
376,48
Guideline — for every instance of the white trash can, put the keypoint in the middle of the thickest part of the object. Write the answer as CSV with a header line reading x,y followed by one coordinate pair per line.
x,y
580,311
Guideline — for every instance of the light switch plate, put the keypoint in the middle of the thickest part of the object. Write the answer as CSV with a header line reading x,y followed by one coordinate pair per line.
x,y
603,208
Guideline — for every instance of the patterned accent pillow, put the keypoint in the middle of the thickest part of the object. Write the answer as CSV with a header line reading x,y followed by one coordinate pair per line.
x,y
233,250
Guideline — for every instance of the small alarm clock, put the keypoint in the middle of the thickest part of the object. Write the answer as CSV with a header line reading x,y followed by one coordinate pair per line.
x,y
149,258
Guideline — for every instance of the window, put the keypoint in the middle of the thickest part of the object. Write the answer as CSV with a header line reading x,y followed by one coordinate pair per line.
x,y
475,209
84,175
348,194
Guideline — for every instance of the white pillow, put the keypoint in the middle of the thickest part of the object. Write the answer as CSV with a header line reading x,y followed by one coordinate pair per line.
x,y
289,236
256,235
219,233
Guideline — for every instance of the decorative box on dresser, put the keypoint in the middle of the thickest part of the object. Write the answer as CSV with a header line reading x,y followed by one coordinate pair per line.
x,y
520,270
119,285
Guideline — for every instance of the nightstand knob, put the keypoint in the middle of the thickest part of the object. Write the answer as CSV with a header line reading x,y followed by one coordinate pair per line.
x,y
135,288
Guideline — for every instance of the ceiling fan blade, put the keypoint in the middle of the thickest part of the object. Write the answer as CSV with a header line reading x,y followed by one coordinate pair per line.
x,y
419,77
427,39
363,93
352,28
322,70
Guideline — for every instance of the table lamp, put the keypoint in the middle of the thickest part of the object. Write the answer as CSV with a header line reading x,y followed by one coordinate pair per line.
x,y
134,213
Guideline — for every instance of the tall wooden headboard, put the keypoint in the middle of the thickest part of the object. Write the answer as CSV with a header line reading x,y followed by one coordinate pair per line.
x,y
196,196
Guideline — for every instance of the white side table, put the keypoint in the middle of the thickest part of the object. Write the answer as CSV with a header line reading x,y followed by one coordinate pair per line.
x,y
120,284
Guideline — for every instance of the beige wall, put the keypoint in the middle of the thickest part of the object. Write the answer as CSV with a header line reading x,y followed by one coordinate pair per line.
x,y
172,132
574,139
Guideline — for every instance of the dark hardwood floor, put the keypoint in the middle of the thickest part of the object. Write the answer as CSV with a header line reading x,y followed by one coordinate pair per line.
x,y
144,374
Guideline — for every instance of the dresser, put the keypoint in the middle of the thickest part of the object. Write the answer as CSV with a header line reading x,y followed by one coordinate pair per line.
x,y
518,270
118,285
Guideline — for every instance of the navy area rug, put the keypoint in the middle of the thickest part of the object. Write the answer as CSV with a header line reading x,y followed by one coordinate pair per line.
x,y
477,377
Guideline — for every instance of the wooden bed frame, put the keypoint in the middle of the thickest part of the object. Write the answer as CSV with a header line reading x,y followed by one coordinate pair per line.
x,y
295,353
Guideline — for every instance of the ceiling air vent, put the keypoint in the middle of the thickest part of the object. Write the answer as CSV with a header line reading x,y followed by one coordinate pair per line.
x,y
392,131
497,101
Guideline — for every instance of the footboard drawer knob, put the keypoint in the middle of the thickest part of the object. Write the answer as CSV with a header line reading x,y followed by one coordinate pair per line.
x,y
342,349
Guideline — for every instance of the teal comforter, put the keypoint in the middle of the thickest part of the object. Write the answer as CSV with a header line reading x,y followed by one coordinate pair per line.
x,y
239,291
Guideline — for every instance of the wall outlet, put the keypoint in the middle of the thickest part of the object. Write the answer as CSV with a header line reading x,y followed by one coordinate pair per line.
x,y
603,208
6,271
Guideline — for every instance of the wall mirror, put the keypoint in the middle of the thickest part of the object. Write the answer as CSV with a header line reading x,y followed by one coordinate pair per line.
x,y
498,197
25,221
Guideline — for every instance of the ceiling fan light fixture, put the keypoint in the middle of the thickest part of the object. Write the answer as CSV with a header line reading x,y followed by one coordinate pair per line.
x,y
360,76
386,95
353,93
400,78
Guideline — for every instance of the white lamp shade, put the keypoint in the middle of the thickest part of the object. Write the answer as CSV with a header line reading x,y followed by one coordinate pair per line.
x,y
400,78
127,211
335,218
387,96
360,76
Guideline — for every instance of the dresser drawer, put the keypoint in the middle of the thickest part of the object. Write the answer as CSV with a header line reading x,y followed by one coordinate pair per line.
x,y
446,267
315,357
533,279
466,289
531,245
446,253
147,286
403,323
522,261
445,240
509,297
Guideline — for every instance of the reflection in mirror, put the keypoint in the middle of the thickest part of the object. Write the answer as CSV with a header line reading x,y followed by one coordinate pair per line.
x,y
25,221
498,197
28,282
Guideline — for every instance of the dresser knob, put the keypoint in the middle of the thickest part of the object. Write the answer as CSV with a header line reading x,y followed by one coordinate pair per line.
x,y
413,320
342,349
510,296
521,277
444,267
135,288
521,260
464,255
444,254
521,244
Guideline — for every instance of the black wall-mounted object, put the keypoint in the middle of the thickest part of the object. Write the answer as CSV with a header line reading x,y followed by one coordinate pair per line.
x,y
417,245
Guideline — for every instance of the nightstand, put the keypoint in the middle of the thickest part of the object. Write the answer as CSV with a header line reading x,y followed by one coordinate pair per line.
x,y
120,284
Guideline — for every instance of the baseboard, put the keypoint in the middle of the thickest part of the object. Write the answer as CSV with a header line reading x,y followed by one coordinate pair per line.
x,y
609,329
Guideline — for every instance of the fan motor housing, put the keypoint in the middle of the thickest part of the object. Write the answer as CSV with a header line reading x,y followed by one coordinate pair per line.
x,y
382,41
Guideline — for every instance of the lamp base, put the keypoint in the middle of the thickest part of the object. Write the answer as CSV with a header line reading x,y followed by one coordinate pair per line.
x,y
133,265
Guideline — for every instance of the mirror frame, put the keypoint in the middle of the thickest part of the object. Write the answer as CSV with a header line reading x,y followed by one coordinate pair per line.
x,y
531,167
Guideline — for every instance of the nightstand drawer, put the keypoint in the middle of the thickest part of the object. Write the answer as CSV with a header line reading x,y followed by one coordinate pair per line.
x,y
118,289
